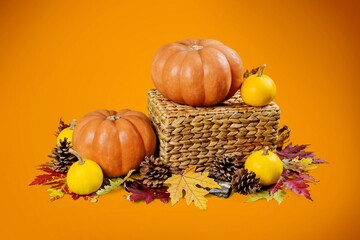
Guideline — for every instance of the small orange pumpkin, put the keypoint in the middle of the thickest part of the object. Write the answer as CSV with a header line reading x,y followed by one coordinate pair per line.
x,y
197,72
117,141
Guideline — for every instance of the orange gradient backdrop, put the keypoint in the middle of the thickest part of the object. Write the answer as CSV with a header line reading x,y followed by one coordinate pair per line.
x,y
66,58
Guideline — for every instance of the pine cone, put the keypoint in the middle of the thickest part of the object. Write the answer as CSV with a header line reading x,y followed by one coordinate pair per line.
x,y
225,167
245,182
153,172
62,158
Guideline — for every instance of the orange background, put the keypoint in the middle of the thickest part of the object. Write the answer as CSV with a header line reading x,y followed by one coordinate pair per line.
x,y
66,58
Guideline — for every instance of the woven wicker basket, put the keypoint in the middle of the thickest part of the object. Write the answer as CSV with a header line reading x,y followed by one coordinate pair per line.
x,y
197,135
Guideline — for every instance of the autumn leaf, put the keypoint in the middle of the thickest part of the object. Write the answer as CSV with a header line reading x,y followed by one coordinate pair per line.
x,y
114,183
62,126
189,182
307,164
55,193
48,178
278,185
298,186
299,165
279,196
142,192
294,181
298,151
57,181
259,195
251,72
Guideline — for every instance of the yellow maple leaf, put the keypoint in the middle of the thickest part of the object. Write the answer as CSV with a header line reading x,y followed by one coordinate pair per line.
x,y
188,182
307,164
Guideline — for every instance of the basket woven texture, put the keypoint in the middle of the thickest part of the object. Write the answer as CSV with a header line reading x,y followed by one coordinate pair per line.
x,y
197,135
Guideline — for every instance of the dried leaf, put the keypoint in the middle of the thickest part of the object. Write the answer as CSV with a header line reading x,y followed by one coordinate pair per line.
x,y
46,179
189,182
251,72
278,185
142,192
299,165
294,181
114,183
51,178
62,126
319,161
298,151
298,186
307,164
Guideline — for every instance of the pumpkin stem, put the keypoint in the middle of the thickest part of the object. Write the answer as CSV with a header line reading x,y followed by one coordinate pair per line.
x,y
72,125
261,70
266,151
113,118
196,47
76,154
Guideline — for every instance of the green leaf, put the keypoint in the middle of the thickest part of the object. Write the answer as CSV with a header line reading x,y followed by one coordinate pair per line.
x,y
259,195
279,196
114,184
55,193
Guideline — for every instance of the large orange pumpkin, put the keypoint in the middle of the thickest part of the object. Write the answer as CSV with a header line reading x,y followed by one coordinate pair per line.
x,y
197,72
117,141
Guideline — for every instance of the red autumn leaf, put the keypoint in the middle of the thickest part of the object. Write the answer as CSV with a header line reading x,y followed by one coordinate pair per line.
x,y
294,181
62,126
291,152
306,177
277,185
141,192
162,194
318,161
42,179
298,186
49,178
45,168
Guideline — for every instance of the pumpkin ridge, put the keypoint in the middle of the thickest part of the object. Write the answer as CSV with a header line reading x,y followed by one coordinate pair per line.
x,y
221,93
225,50
104,163
179,78
157,76
194,69
136,130
203,83
229,68
178,75
82,130
163,68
